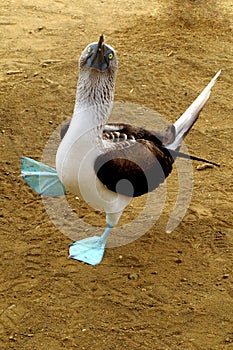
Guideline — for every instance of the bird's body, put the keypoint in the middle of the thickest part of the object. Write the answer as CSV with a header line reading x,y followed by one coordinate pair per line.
x,y
104,173
75,162
108,164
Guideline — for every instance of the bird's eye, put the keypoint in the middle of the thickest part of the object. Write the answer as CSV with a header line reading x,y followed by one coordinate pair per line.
x,y
89,49
110,55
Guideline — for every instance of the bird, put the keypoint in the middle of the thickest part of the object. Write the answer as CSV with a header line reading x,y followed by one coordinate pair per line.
x,y
107,164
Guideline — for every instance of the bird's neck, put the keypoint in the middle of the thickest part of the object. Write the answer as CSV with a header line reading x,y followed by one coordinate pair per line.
x,y
94,98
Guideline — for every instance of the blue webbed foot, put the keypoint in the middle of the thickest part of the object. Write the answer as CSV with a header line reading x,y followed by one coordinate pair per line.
x,y
41,178
90,250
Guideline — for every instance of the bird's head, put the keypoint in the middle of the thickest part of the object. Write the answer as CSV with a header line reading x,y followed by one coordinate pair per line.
x,y
97,75
99,57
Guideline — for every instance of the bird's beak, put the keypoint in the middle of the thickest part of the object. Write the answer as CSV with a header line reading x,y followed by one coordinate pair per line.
x,y
97,58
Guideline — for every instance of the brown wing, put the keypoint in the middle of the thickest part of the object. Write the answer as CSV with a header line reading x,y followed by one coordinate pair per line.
x,y
134,170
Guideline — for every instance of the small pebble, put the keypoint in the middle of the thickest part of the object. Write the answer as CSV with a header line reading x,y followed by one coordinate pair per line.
x,y
65,338
228,340
133,276
183,279
11,72
204,166
178,261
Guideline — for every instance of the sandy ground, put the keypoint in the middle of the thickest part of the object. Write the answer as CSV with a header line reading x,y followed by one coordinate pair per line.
x,y
162,291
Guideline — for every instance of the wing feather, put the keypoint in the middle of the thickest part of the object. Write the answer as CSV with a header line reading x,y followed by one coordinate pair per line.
x,y
135,169
122,131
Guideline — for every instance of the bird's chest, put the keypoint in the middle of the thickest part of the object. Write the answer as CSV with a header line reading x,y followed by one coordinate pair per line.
x,y
75,160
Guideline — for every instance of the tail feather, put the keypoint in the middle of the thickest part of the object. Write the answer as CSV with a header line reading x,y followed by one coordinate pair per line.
x,y
188,156
189,117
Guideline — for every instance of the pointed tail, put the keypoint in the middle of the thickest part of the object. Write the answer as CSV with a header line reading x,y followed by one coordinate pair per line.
x,y
189,117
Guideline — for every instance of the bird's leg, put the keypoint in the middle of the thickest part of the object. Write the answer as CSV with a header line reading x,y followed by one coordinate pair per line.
x,y
90,250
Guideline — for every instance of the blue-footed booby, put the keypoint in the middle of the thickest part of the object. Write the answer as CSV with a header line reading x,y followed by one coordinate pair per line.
x,y
108,164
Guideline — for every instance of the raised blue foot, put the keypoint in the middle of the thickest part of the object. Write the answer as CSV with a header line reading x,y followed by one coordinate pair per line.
x,y
90,250
41,178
